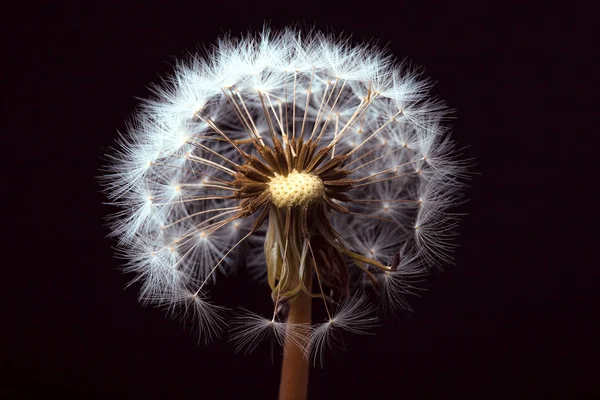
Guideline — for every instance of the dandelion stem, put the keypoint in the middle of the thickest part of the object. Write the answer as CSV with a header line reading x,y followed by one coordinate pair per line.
x,y
294,369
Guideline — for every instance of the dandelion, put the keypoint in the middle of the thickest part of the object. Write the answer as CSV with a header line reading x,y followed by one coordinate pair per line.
x,y
328,160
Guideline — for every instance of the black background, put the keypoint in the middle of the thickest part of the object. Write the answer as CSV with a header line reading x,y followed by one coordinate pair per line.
x,y
515,316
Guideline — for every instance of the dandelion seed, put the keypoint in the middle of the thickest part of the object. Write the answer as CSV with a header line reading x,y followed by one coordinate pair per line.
x,y
353,316
316,161
250,329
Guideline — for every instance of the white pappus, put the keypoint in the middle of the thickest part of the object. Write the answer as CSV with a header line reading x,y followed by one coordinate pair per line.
x,y
327,160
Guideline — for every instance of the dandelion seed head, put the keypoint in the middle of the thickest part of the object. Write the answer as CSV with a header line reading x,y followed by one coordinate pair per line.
x,y
316,163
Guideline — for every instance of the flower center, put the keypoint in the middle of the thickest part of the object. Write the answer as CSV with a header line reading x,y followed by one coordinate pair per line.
x,y
296,189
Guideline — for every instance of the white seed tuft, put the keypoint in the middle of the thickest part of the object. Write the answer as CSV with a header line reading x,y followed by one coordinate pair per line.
x,y
187,216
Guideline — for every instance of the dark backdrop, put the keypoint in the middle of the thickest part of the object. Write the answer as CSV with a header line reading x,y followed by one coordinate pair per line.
x,y
513,317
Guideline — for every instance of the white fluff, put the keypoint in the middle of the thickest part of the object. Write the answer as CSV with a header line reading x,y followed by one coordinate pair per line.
x,y
165,173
